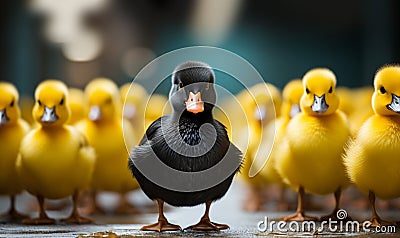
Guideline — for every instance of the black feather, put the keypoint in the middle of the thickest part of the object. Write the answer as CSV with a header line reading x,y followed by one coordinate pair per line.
x,y
188,125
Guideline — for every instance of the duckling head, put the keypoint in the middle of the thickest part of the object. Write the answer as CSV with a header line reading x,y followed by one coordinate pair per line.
x,y
104,100
319,97
386,97
192,89
51,106
9,110
292,93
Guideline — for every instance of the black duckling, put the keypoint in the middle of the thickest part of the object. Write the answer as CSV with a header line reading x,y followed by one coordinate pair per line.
x,y
185,158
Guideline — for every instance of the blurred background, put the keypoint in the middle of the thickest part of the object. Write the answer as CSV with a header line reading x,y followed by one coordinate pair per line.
x,y
76,41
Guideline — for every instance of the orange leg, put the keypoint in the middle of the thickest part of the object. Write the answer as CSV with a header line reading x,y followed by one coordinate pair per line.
x,y
375,219
162,224
333,215
205,224
43,219
13,213
75,217
299,214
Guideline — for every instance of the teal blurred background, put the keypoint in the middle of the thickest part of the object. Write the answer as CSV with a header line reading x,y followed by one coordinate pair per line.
x,y
281,39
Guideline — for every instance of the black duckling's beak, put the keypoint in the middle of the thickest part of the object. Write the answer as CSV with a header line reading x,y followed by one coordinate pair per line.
x,y
395,104
94,113
49,115
194,104
294,110
3,117
319,105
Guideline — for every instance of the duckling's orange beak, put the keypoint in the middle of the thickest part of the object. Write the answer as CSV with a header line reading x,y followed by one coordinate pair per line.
x,y
194,104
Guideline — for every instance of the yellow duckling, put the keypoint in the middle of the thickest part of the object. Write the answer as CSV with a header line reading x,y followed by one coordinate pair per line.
x,y
260,110
362,98
156,107
26,106
346,104
229,112
372,158
108,132
12,130
292,93
310,155
77,104
55,160
133,97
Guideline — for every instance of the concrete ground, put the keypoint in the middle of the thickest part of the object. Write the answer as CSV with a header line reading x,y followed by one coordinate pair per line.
x,y
228,210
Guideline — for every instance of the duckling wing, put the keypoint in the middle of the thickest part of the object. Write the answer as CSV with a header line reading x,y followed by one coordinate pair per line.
x,y
86,162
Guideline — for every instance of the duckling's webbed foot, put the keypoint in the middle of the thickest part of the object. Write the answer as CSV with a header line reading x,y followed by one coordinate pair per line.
x,y
43,219
205,224
375,219
75,217
39,221
299,216
162,224
13,214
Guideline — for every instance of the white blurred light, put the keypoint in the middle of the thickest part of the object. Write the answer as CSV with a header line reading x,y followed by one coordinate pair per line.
x,y
213,19
63,28
65,24
135,59
87,46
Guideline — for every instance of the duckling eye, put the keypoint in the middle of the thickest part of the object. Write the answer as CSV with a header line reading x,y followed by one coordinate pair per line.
x,y
108,100
382,90
307,91
12,103
62,101
330,89
39,102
